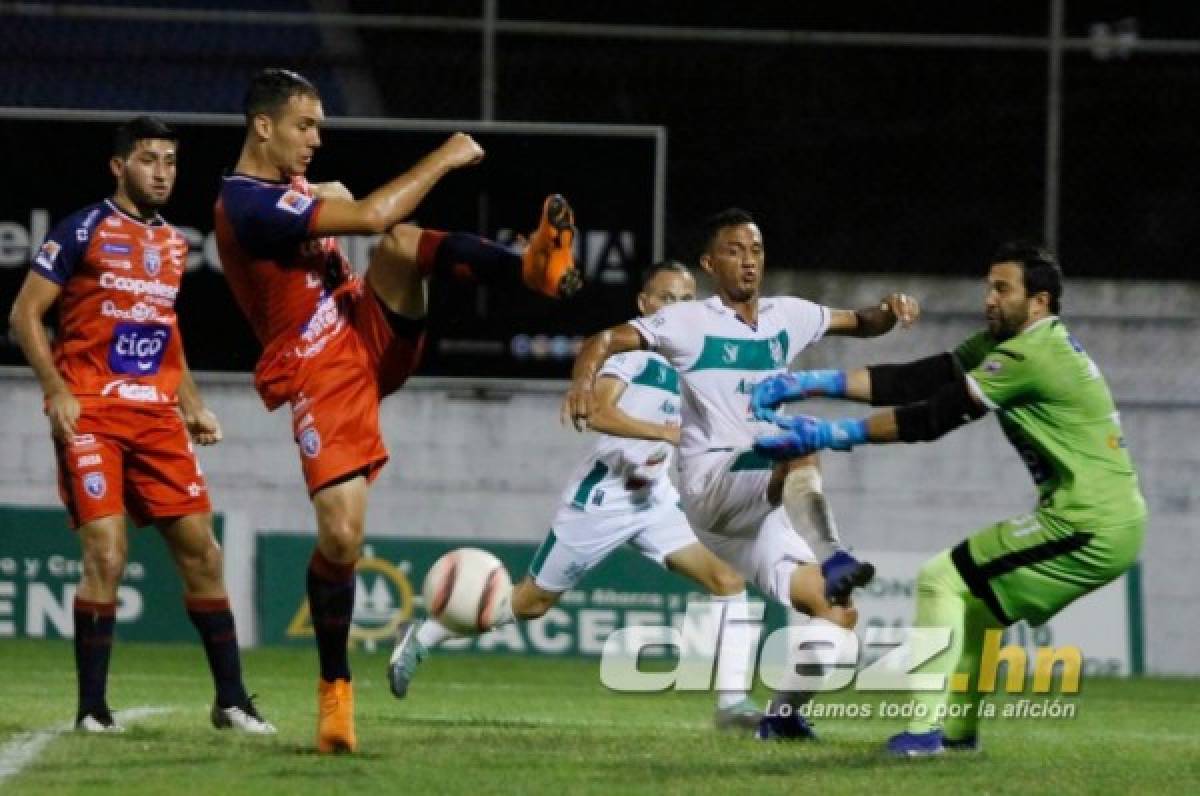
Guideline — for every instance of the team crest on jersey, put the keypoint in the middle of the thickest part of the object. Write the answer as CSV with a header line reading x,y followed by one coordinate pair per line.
x,y
294,202
310,442
48,254
152,261
95,485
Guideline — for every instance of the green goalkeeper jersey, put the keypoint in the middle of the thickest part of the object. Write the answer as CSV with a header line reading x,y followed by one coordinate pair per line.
x,y
1057,411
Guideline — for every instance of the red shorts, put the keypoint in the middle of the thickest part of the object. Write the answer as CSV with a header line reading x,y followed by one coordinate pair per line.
x,y
130,458
336,393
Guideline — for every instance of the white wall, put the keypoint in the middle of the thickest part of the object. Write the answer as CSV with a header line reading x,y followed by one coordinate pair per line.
x,y
492,467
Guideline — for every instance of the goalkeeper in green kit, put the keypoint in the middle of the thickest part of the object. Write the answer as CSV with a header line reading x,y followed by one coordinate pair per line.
x,y
1056,410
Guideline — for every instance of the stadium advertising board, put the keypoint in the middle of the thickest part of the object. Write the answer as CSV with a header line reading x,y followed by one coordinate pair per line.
x,y
40,568
610,174
628,590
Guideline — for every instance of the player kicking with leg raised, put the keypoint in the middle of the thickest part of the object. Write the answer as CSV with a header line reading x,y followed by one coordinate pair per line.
x,y
745,508
121,405
335,345
1056,410
622,493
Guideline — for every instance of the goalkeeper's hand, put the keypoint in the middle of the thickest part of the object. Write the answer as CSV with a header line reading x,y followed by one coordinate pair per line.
x,y
770,393
805,435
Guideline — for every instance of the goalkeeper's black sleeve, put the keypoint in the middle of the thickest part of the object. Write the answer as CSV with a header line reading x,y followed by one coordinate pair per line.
x,y
896,385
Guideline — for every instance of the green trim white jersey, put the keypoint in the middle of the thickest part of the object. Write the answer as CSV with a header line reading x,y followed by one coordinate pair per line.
x,y
623,475
720,358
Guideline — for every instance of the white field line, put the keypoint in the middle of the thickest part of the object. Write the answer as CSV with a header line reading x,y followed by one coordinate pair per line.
x,y
24,747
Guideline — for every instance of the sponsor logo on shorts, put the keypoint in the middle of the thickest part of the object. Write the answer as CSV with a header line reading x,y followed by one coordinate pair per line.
x,y
90,460
294,202
152,261
138,392
992,366
95,485
194,489
310,442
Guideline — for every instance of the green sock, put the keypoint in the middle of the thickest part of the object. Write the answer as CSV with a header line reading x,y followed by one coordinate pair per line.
x,y
962,714
942,597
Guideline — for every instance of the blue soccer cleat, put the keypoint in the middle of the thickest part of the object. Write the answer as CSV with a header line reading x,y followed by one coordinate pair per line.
x,y
777,727
843,574
916,744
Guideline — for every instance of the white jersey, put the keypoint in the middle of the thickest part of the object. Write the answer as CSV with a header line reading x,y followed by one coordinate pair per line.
x,y
720,358
623,475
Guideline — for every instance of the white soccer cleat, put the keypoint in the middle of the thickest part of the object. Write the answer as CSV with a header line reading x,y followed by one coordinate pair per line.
x,y
99,721
243,718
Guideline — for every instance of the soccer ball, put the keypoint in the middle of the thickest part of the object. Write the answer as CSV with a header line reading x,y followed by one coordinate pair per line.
x,y
464,588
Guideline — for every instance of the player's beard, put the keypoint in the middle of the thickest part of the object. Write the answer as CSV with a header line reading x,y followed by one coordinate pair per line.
x,y
145,201
1005,325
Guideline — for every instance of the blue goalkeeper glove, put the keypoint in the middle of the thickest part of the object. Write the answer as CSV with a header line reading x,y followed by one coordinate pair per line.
x,y
770,393
807,435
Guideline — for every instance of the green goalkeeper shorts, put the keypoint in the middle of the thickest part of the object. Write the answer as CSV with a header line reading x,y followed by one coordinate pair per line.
x,y
1031,567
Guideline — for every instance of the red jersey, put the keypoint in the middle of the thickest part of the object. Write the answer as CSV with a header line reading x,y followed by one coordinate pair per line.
x,y
286,281
118,338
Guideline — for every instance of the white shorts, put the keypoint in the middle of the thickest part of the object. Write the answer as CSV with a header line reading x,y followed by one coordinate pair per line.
x,y
579,541
725,496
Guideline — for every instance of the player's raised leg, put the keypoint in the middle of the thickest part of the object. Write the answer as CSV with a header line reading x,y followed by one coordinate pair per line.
x,y
737,635
797,486
105,548
199,561
407,256
341,513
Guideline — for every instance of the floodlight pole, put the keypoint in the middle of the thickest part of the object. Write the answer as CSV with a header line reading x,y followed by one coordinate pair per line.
x,y
1053,123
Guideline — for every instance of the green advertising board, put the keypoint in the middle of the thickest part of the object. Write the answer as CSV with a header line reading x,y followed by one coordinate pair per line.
x,y
625,590
40,567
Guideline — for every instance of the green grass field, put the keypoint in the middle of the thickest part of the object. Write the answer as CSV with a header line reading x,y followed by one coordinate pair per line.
x,y
509,724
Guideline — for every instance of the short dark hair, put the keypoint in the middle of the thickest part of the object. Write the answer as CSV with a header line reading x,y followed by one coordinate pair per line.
x,y
729,217
1039,266
675,266
270,89
126,136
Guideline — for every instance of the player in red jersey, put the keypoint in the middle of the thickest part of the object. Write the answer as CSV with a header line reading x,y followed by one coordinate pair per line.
x,y
121,405
335,345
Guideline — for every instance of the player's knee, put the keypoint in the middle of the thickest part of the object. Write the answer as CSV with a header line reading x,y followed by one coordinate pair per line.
x,y
207,562
530,602
401,243
104,565
341,539
931,578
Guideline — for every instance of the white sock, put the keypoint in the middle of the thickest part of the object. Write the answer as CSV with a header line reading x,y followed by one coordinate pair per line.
x,y
432,632
809,511
796,700
734,650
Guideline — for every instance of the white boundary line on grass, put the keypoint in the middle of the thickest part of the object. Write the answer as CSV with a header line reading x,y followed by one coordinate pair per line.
x,y
24,747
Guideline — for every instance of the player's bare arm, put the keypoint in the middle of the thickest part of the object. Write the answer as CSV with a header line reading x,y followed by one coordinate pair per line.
x,y
201,422
579,403
396,200
330,190
878,319
37,296
608,418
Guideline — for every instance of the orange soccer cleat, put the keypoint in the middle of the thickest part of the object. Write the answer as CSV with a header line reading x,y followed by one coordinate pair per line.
x,y
335,719
548,265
